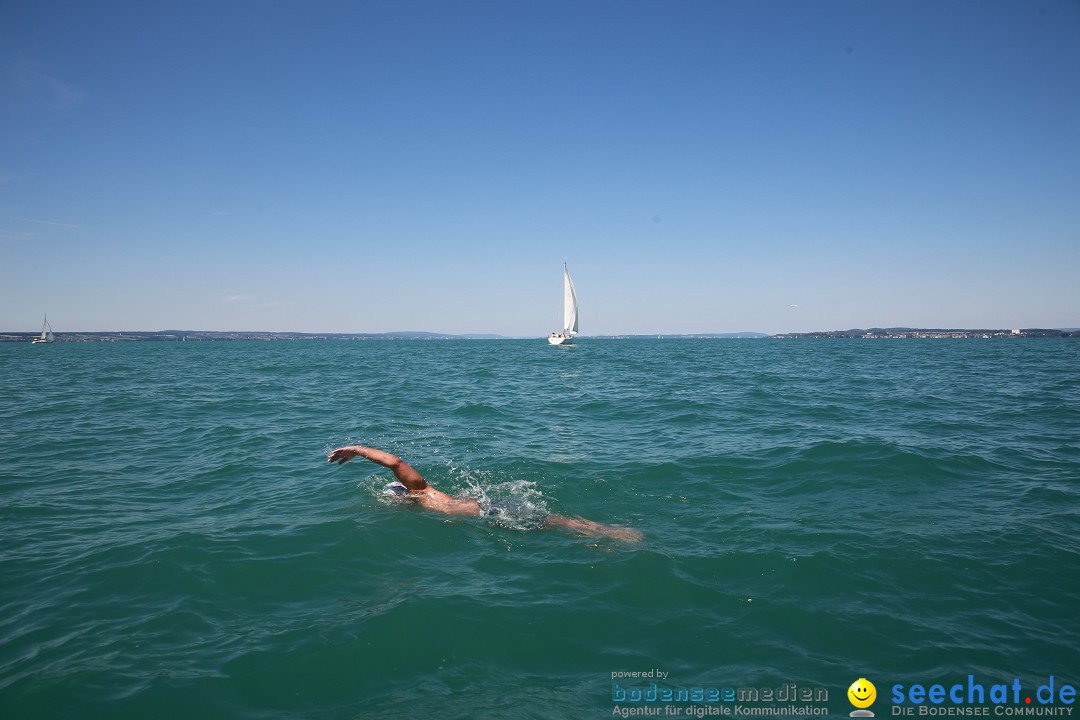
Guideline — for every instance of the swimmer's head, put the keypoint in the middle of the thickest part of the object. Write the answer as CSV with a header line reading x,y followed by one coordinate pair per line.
x,y
397,488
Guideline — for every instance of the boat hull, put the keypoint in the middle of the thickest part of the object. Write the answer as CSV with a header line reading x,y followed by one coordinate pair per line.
x,y
560,340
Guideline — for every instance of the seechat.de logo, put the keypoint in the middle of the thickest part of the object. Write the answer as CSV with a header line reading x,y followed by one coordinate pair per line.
x,y
862,694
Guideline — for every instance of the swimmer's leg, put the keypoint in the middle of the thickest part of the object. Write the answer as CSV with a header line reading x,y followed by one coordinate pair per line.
x,y
592,529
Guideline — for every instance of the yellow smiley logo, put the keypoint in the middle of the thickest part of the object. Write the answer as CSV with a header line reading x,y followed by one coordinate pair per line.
x,y
862,693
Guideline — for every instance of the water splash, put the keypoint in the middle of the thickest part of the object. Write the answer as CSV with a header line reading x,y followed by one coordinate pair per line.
x,y
512,503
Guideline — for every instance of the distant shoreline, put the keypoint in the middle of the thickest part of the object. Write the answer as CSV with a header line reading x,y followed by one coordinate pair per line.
x,y
936,333
225,336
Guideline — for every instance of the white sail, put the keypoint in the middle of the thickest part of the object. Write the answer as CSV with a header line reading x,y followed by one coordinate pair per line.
x,y
569,313
46,332
570,319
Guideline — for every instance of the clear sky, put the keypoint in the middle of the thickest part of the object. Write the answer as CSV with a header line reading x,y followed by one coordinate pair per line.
x,y
707,166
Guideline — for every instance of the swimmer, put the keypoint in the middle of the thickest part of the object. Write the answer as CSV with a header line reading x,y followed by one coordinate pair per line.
x,y
413,486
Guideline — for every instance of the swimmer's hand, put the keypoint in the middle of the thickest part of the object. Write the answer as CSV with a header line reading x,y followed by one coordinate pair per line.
x,y
344,454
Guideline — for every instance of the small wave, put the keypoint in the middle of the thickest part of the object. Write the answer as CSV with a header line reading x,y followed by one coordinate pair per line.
x,y
476,410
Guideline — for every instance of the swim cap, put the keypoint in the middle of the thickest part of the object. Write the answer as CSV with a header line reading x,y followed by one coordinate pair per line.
x,y
398,488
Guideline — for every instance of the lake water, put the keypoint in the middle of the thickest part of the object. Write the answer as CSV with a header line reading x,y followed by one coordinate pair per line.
x,y
176,545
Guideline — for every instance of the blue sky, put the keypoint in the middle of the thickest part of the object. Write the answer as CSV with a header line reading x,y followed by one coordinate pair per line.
x,y
378,166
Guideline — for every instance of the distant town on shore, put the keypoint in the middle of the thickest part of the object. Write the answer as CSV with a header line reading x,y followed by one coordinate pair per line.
x,y
906,333
214,336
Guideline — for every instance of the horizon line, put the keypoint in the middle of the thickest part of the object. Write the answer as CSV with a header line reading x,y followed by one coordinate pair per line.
x,y
907,328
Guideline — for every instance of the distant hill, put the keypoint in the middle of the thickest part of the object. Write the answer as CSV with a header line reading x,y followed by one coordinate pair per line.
x,y
905,332
216,335
416,335
690,336
223,335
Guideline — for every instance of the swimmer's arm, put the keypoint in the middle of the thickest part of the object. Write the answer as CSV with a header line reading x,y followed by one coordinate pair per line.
x,y
402,471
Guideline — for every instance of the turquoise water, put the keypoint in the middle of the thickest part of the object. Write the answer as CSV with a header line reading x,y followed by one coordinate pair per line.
x,y
175,545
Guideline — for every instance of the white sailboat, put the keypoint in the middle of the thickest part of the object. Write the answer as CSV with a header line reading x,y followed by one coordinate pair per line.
x,y
46,333
570,313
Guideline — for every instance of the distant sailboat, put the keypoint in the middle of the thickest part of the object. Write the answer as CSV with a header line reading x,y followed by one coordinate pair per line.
x,y
46,333
570,313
